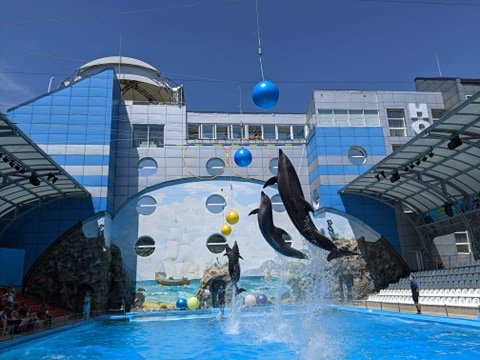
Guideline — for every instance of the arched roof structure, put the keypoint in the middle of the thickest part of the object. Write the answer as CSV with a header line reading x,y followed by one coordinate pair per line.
x,y
439,165
29,176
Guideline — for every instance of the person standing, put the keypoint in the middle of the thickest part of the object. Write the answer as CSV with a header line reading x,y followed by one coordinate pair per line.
x,y
415,293
87,300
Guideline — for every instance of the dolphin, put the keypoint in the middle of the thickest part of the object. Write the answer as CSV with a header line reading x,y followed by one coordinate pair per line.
x,y
298,208
233,255
275,237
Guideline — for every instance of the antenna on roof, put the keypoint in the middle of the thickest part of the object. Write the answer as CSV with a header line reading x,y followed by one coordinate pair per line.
x,y
120,53
438,64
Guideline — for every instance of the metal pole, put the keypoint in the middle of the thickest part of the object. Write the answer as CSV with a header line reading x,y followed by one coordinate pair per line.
x,y
446,310
381,305
398,304
50,83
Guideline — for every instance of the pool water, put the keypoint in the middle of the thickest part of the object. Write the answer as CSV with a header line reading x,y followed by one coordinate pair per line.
x,y
263,333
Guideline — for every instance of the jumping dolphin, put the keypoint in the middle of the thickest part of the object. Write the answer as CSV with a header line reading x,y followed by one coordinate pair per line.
x,y
275,237
233,255
298,208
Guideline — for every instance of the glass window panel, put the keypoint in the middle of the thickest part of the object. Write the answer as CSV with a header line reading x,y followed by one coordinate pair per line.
x,y
254,132
156,136
140,136
268,132
298,131
208,131
395,113
236,132
283,132
222,132
396,123
398,132
193,132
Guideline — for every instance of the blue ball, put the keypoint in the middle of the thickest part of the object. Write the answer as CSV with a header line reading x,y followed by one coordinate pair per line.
x,y
265,95
261,299
181,303
243,157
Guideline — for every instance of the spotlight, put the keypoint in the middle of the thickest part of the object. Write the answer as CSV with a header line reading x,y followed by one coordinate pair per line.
x,y
6,159
406,168
378,177
11,163
17,167
54,179
395,177
448,209
383,174
417,162
430,154
424,158
22,171
454,142
34,180
412,166
50,176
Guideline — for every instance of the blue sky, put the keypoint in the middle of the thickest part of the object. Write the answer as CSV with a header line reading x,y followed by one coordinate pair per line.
x,y
307,44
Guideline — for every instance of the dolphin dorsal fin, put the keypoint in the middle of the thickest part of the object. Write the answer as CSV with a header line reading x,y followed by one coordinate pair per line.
x,y
255,211
271,181
308,206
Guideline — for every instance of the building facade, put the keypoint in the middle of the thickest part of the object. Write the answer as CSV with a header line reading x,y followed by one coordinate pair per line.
x,y
163,177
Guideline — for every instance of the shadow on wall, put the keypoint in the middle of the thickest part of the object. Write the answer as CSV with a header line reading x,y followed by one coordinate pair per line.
x,y
75,264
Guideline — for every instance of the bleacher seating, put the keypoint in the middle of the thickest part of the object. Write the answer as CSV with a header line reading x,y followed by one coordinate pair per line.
x,y
458,287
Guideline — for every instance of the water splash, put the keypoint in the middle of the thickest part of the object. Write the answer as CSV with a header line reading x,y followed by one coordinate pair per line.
x,y
233,320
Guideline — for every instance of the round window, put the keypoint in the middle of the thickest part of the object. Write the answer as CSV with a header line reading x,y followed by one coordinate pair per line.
x,y
357,155
273,167
145,246
146,205
147,167
215,203
216,243
277,203
215,166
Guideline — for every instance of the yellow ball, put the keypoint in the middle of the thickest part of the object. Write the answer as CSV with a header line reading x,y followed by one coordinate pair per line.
x,y
192,303
232,217
226,229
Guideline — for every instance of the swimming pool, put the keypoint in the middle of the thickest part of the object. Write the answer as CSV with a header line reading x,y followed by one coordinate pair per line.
x,y
261,333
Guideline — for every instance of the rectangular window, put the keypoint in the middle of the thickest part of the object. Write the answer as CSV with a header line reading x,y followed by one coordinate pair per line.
x,y
222,132
325,117
372,118
437,114
207,131
396,122
236,132
148,136
254,132
193,133
298,132
283,132
396,146
268,132
461,242
341,117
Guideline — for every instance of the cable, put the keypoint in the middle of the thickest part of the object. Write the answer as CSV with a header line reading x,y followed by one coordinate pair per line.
x,y
121,13
259,43
410,2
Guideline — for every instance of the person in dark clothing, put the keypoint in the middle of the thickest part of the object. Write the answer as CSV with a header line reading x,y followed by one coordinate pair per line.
x,y
415,293
221,300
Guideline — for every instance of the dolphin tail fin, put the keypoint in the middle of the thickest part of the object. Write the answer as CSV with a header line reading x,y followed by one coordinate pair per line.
x,y
337,253
271,181
239,290
255,211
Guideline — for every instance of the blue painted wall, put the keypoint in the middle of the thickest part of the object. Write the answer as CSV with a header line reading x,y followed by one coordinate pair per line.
x,y
11,261
83,113
36,230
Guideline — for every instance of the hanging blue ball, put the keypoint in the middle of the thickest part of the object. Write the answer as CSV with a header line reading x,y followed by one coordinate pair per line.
x,y
265,95
181,303
243,157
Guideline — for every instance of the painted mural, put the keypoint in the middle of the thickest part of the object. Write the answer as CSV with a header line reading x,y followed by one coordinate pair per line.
x,y
170,237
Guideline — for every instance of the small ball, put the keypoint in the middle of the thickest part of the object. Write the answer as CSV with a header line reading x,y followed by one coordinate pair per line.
x,y
181,303
226,229
250,300
232,217
261,299
265,95
193,303
243,157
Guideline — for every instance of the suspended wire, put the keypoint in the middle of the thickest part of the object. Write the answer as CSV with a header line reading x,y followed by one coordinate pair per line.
x,y
259,43
411,2
121,13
